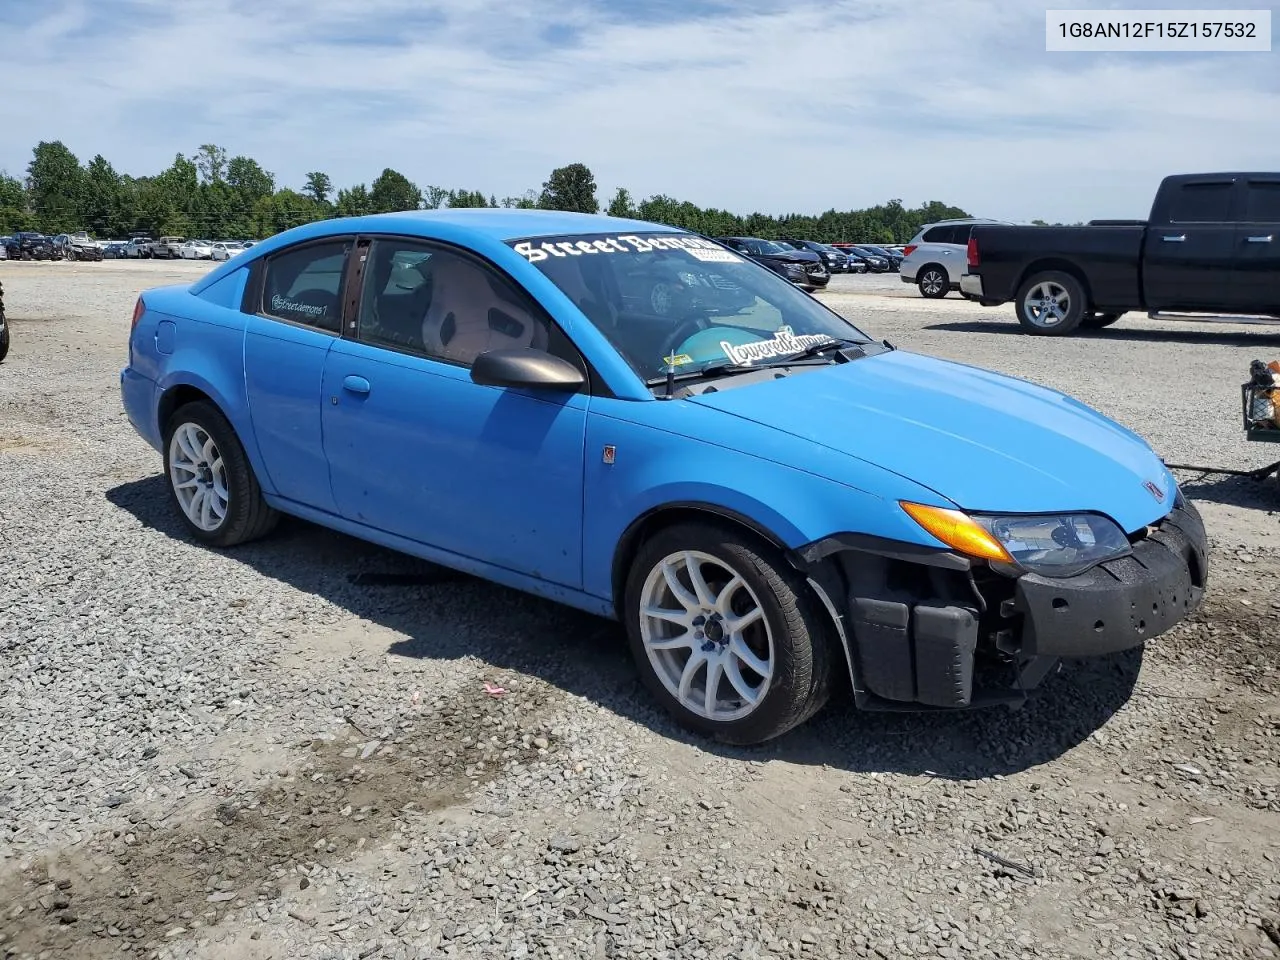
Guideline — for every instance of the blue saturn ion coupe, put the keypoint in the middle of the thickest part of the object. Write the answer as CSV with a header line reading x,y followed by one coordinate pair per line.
x,y
636,421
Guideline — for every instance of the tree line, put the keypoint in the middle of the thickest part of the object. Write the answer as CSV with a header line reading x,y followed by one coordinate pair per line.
x,y
216,196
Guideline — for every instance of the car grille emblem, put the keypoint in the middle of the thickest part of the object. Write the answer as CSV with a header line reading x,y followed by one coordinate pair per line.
x,y
1154,491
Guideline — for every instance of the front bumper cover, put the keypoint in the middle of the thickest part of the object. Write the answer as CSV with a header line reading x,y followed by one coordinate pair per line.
x,y
929,629
1121,603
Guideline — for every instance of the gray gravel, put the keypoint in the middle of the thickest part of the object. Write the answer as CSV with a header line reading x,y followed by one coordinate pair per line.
x,y
249,754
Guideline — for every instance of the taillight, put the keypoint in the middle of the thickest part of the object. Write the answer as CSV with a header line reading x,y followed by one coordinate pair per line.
x,y
906,251
138,309
974,259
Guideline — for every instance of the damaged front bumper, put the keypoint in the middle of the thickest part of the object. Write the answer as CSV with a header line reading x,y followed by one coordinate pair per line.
x,y
930,629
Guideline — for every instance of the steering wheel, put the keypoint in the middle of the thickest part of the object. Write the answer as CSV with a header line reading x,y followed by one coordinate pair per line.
x,y
683,331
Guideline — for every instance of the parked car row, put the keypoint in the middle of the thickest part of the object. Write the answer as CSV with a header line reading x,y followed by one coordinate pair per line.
x,y
180,248
27,245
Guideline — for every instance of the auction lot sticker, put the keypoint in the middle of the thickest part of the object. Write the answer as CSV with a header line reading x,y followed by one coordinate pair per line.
x,y
1158,31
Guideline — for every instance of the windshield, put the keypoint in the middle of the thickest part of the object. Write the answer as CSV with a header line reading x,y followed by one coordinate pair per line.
x,y
678,301
769,246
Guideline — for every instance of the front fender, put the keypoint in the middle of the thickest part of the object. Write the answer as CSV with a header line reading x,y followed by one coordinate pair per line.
x,y
793,491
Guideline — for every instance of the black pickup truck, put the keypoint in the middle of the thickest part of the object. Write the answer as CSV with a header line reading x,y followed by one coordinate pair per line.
x,y
1209,250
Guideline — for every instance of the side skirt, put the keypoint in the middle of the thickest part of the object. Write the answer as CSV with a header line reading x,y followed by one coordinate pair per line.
x,y
454,561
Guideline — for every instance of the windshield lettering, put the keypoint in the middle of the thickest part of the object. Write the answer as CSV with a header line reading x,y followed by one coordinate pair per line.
x,y
784,343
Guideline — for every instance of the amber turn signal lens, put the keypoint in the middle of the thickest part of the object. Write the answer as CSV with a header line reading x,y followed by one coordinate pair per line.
x,y
957,531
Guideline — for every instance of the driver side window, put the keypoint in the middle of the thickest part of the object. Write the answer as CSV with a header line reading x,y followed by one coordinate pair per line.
x,y
433,301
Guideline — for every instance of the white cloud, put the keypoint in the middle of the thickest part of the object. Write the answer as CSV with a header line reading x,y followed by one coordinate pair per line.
x,y
796,107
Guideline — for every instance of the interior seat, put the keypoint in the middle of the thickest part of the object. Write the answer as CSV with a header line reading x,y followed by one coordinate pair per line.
x,y
467,316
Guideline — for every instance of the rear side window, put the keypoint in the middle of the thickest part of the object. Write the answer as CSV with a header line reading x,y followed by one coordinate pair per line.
x,y
1202,203
1262,202
303,285
949,233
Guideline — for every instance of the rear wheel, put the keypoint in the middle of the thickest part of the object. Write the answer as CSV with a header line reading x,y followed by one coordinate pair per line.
x,y
1050,304
933,282
211,480
725,634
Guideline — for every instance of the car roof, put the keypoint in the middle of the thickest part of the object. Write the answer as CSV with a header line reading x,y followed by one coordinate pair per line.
x,y
498,223
483,228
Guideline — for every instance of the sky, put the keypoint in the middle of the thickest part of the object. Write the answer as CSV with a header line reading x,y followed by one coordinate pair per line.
x,y
749,105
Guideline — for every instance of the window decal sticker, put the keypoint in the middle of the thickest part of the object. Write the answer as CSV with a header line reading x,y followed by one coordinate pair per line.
x,y
535,251
784,342
284,304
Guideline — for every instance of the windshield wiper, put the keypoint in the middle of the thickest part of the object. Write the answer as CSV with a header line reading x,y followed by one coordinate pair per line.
x,y
721,368
816,349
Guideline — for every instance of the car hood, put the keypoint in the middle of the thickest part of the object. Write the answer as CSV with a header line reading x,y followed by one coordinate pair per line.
x,y
984,441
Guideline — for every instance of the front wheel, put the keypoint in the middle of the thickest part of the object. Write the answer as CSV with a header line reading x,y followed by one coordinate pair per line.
x,y
933,282
211,480
726,635
1050,304
4,340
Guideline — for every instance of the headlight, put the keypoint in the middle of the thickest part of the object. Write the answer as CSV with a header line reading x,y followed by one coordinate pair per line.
x,y
1054,545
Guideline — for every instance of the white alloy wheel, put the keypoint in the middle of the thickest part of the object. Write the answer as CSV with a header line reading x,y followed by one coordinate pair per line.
x,y
199,477
706,636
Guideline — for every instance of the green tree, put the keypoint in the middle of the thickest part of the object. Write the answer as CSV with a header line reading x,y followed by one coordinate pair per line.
x,y
528,201
465,198
13,205
433,197
354,201
104,213
393,191
622,205
211,161
571,188
249,181
318,187
55,187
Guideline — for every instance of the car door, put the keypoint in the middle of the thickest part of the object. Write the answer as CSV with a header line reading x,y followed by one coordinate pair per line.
x,y
1255,280
1189,252
417,449
294,307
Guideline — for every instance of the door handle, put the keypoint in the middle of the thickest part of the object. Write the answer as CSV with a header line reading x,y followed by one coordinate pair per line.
x,y
1177,239
356,384
1266,239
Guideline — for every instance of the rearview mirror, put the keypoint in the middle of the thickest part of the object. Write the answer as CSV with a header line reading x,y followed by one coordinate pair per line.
x,y
525,367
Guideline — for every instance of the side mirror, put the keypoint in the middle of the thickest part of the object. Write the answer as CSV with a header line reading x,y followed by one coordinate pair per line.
x,y
525,367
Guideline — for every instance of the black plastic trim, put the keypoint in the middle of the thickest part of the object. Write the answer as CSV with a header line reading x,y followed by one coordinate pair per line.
x,y
817,551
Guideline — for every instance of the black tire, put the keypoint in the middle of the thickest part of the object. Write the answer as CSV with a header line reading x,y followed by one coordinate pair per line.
x,y
247,517
803,647
1047,283
933,281
1096,321
4,343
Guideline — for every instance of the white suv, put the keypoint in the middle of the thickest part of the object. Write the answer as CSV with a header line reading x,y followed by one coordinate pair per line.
x,y
938,256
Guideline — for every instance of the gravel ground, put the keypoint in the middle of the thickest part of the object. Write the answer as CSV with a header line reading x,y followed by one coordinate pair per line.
x,y
262,754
